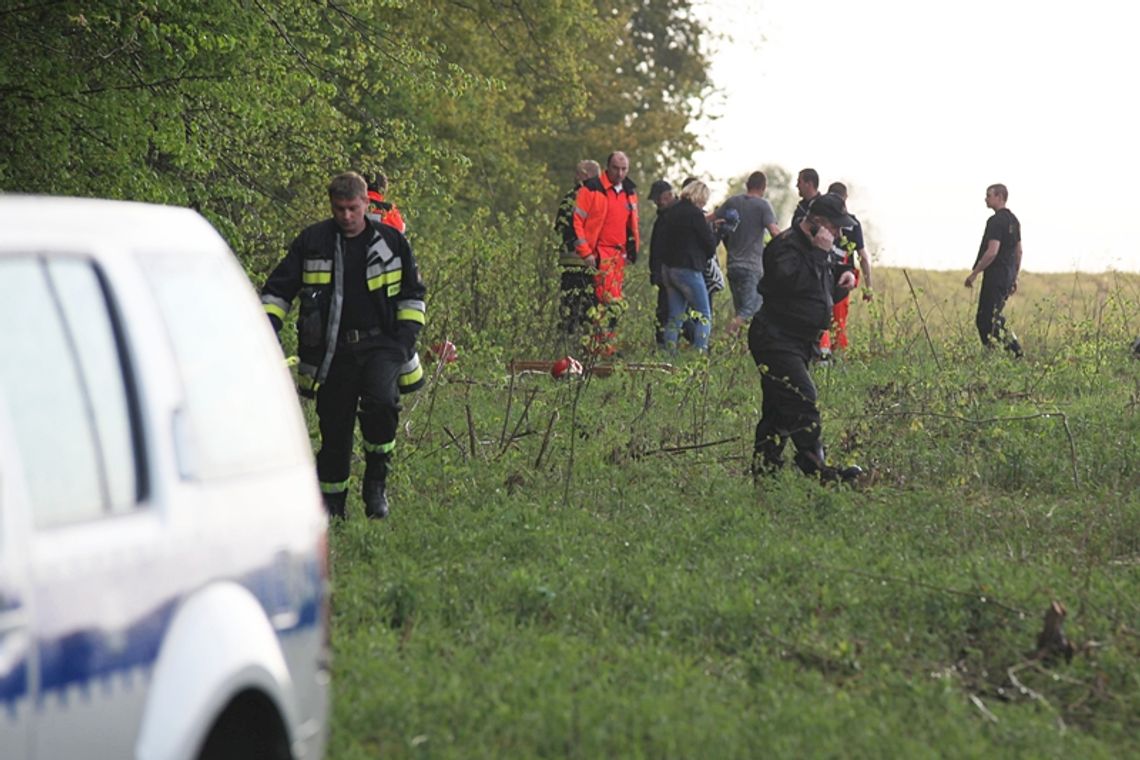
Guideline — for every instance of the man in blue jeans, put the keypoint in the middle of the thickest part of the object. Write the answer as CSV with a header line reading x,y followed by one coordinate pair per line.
x,y
745,246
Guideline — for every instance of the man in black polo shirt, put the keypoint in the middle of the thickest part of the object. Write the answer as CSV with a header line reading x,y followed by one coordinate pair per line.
x,y
800,286
999,256
807,185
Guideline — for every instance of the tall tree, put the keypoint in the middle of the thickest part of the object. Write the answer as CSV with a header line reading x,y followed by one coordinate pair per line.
x,y
476,108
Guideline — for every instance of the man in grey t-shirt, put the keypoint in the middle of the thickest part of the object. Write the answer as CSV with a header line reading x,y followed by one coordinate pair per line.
x,y
745,245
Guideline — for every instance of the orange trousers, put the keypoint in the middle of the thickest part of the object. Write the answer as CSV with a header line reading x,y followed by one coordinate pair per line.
x,y
608,289
838,326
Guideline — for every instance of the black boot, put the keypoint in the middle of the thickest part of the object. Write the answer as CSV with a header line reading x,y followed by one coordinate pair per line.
x,y
375,499
767,453
334,503
376,467
814,463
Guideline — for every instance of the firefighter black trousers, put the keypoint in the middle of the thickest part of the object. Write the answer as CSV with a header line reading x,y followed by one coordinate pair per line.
x,y
363,381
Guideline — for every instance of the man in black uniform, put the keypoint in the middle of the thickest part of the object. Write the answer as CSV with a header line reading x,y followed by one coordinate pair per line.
x,y
999,256
800,285
577,278
362,306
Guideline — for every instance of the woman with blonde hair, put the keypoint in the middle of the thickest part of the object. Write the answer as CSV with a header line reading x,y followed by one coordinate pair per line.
x,y
687,244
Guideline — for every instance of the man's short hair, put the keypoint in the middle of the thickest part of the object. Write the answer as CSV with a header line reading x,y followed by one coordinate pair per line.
x,y
839,189
696,192
756,181
610,157
347,186
378,182
659,188
811,175
999,190
688,181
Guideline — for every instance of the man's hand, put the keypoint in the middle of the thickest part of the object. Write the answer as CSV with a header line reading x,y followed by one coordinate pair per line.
x,y
868,294
970,279
824,240
847,279
1013,288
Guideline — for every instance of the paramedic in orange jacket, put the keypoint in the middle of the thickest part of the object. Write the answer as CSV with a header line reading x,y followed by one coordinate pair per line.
x,y
384,211
607,237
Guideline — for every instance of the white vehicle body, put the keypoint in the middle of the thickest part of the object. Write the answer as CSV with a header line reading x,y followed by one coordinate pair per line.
x,y
163,588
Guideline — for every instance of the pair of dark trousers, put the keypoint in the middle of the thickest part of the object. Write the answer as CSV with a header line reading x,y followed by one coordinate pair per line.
x,y
577,299
789,407
990,321
363,381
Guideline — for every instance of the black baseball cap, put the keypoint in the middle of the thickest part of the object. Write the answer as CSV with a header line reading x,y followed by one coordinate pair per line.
x,y
659,187
832,208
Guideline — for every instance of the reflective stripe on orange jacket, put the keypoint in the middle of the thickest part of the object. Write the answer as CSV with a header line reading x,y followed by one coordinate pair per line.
x,y
590,215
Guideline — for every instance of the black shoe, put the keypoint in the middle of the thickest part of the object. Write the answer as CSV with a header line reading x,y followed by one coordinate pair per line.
x,y
334,503
846,475
375,499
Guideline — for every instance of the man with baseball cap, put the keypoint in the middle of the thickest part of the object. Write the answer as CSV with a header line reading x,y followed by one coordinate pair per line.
x,y
800,285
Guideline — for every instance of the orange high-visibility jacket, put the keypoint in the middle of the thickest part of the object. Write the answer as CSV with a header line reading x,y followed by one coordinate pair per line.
x,y
590,213
385,212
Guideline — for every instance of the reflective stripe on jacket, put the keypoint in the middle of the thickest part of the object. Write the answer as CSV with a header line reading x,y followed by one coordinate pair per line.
x,y
313,271
385,211
590,214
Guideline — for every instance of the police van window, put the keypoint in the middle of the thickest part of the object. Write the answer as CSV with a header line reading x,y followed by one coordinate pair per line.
x,y
231,376
85,310
65,396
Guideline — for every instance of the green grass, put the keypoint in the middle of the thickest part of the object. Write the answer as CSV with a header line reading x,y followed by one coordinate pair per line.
x,y
625,590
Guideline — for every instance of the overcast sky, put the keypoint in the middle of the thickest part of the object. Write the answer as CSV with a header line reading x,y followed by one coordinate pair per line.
x,y
919,106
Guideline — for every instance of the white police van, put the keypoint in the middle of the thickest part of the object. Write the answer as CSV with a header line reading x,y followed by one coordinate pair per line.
x,y
163,587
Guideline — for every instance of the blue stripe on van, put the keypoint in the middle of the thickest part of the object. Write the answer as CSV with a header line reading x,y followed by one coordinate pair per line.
x,y
90,655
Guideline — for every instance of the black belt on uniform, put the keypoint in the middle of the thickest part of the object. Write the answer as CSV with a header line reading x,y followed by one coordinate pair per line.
x,y
355,336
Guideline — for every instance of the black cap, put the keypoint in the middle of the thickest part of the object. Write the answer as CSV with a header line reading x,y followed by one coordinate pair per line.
x,y
832,208
659,187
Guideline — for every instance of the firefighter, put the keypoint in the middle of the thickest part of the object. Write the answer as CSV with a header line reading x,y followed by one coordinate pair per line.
x,y
577,283
361,309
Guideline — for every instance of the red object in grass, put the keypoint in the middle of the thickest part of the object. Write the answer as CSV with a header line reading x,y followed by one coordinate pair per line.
x,y
444,352
567,365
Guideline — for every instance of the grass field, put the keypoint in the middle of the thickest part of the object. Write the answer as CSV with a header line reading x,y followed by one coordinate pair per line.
x,y
586,569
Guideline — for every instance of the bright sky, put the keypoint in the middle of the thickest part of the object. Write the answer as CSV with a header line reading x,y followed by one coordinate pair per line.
x,y
919,106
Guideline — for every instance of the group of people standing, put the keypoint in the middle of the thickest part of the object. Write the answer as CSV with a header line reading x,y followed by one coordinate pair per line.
x,y
791,287
787,289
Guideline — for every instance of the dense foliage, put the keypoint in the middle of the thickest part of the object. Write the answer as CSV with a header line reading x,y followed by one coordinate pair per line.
x,y
477,110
